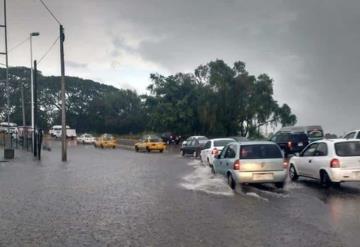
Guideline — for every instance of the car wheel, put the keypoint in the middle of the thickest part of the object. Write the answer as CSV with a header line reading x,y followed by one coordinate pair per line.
x,y
231,182
83,142
336,184
208,162
293,174
136,149
182,153
114,147
101,146
161,150
148,149
279,185
324,179
212,170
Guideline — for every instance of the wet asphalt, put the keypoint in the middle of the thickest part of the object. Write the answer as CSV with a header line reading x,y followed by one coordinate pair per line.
x,y
122,198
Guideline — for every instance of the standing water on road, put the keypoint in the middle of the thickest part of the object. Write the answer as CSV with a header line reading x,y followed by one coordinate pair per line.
x,y
201,179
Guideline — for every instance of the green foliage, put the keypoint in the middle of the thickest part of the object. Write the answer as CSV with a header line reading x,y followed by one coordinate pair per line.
x,y
215,100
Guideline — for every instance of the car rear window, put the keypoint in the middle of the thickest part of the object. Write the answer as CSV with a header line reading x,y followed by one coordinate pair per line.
x,y
155,140
222,143
299,138
203,138
347,149
315,134
261,151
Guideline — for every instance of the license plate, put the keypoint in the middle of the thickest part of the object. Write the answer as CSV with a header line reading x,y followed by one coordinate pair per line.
x,y
263,176
300,144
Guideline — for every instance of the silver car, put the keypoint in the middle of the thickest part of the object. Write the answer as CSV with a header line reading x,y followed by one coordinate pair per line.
x,y
251,162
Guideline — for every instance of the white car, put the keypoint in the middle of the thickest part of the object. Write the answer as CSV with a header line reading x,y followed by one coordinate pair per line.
x,y
329,161
355,134
86,139
212,148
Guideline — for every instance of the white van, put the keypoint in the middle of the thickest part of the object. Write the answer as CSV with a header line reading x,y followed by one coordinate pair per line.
x,y
56,131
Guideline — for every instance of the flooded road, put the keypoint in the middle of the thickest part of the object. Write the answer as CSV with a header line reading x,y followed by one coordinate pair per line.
x,y
122,198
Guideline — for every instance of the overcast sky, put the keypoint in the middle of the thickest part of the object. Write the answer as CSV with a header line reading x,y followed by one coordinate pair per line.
x,y
310,48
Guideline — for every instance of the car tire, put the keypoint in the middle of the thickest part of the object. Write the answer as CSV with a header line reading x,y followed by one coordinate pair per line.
x,y
325,179
336,184
136,149
148,149
101,146
113,147
279,185
161,150
212,170
231,182
293,174
182,153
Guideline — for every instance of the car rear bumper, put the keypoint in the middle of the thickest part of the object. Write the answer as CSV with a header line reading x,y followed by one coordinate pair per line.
x,y
260,177
340,175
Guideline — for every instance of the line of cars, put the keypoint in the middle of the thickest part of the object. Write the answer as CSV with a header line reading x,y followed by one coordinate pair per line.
x,y
295,151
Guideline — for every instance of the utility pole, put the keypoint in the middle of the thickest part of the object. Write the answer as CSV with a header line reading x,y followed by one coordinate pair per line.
x,y
63,99
32,89
7,87
23,105
35,110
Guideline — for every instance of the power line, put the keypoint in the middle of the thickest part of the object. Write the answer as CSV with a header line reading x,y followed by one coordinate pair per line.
x,y
19,44
51,13
48,51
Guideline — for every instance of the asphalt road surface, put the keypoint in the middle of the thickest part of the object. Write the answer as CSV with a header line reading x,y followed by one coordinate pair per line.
x,y
122,198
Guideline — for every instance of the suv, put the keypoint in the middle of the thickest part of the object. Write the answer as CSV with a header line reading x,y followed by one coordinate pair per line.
x,y
290,143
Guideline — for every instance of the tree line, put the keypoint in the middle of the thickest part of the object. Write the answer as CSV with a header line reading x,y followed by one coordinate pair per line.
x,y
214,100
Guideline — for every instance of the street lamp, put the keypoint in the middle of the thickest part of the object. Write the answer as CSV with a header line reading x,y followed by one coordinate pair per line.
x,y
32,87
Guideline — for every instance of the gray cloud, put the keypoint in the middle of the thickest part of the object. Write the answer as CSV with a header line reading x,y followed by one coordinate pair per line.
x,y
309,47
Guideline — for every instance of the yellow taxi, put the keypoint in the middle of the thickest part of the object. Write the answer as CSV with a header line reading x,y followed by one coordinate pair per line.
x,y
105,141
150,143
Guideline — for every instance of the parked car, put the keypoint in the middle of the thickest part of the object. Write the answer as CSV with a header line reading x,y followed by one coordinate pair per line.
x,y
290,143
212,148
86,139
314,132
251,162
106,141
329,161
189,139
150,143
355,134
171,138
193,145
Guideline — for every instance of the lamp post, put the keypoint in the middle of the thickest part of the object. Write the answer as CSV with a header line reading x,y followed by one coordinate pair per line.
x,y
32,87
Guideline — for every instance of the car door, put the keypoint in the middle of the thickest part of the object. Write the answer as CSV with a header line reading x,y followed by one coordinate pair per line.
x,y
319,160
205,152
229,157
305,160
220,163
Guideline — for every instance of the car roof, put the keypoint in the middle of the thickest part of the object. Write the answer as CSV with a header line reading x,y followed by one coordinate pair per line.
x,y
222,139
336,140
352,131
256,142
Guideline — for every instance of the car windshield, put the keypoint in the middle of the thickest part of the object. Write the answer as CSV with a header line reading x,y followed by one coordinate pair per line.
x,y
202,138
260,151
222,143
347,149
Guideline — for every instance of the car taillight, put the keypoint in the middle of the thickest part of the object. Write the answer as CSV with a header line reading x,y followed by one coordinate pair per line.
x,y
214,151
285,164
237,165
289,144
335,163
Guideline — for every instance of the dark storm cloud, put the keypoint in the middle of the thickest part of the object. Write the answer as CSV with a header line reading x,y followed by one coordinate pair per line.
x,y
310,48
